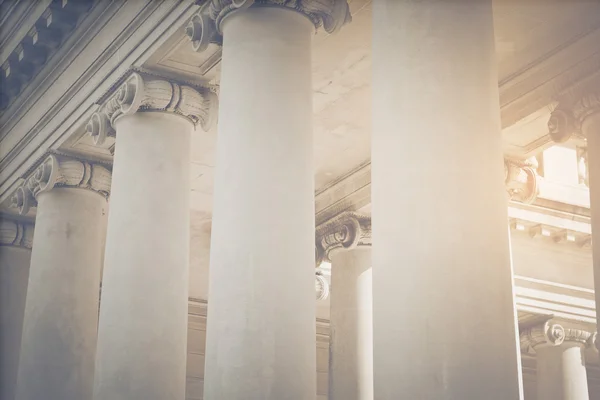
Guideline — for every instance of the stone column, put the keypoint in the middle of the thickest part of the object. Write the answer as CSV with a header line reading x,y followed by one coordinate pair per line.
x,y
581,117
260,340
143,315
561,373
16,237
346,242
61,312
441,263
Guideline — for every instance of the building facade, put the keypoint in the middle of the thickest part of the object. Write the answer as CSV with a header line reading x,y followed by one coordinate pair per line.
x,y
299,199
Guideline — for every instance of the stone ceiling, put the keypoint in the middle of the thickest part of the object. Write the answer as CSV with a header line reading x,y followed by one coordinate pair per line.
x,y
544,47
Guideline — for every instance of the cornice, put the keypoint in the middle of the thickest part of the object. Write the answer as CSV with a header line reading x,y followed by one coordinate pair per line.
x,y
56,23
551,232
57,171
142,92
112,36
205,27
15,232
343,232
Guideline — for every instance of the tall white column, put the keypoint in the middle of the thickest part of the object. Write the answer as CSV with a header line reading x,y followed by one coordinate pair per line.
x,y
441,262
143,314
561,372
346,243
260,340
582,117
16,237
61,312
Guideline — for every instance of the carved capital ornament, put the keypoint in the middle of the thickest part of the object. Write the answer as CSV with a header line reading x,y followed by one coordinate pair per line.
x,y
521,179
345,231
15,232
567,119
58,171
205,27
144,93
550,333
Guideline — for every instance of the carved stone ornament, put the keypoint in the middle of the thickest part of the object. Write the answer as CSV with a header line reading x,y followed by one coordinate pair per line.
x,y
543,334
550,333
58,171
15,232
205,27
345,231
521,179
143,93
566,121
322,287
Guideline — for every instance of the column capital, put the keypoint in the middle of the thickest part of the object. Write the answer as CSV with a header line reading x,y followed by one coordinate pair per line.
x,y
550,333
345,231
60,171
15,232
321,286
521,179
205,27
567,119
142,92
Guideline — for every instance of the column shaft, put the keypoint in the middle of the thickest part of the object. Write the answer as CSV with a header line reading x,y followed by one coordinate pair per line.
x,y
14,274
444,325
143,315
591,129
351,319
561,373
261,309
61,313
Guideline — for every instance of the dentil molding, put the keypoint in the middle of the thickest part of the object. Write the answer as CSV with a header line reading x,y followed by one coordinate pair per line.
x,y
59,171
345,231
15,232
141,92
551,333
205,27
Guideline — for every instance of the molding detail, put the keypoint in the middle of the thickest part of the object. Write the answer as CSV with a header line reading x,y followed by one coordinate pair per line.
x,y
41,42
521,179
14,232
141,92
58,171
205,27
321,286
345,231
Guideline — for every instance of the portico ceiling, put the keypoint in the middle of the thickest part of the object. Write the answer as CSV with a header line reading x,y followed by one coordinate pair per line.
x,y
543,47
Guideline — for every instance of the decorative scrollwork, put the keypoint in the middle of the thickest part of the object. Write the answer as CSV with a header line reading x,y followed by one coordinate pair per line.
x,y
521,179
205,27
322,287
57,171
142,93
14,232
345,231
